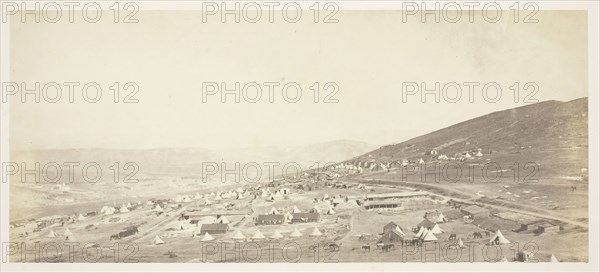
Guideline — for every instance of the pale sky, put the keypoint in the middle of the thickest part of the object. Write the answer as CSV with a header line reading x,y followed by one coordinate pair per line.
x,y
368,54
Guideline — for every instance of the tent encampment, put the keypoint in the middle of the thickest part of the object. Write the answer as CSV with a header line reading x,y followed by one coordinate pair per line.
x,y
436,229
276,235
207,237
238,235
296,233
429,237
258,235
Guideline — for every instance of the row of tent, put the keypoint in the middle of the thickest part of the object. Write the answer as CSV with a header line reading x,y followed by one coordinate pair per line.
x,y
258,235
295,209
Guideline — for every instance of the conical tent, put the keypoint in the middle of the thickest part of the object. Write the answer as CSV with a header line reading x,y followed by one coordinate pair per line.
x,y
289,216
429,237
331,211
441,218
207,202
296,210
315,208
273,211
157,240
258,235
326,196
217,198
499,238
436,229
128,205
158,208
70,238
51,234
238,235
399,230
553,259
460,243
223,220
123,209
296,233
80,217
425,231
276,235
67,232
316,232
420,232
207,237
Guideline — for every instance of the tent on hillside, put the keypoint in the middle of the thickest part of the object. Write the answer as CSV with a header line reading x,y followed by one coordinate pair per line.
x,y
80,217
436,229
296,233
429,237
52,234
499,239
326,196
238,235
296,210
441,218
123,209
207,237
316,209
67,232
258,235
157,240
276,235
158,208
553,259
316,232
331,211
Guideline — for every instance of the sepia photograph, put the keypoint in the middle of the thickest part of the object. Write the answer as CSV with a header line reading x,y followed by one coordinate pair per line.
x,y
328,136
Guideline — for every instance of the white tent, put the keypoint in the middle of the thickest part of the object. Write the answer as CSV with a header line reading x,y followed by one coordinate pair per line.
x,y
240,196
198,196
157,240
80,217
326,196
296,210
258,235
441,218
479,153
70,238
460,243
316,232
109,211
226,195
499,238
296,233
129,205
273,211
436,229
238,235
207,237
217,198
331,211
288,216
207,202
103,210
158,208
316,209
276,235
52,234
420,232
223,220
399,230
429,237
425,231
67,232
123,209
553,259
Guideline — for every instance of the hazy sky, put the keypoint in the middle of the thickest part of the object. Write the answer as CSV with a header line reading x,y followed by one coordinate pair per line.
x,y
367,54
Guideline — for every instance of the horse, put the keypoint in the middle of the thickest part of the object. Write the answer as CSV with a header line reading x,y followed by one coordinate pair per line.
x,y
387,247
379,245
477,235
573,188
487,233
366,248
452,237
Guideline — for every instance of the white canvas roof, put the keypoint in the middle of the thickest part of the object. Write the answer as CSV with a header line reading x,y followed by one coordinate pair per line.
x,y
296,233
207,237
501,239
238,235
258,235
316,232
429,237
157,240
